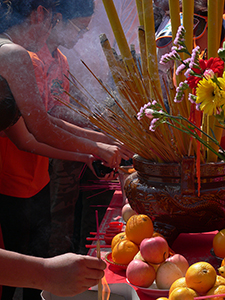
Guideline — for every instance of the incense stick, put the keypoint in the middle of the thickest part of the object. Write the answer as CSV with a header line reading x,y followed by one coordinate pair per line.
x,y
209,296
98,256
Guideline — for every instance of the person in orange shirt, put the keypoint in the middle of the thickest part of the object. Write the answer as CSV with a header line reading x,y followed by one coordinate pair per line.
x,y
25,100
70,22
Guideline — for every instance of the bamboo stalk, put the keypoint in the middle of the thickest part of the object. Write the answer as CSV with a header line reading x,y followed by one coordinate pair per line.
x,y
174,6
218,131
144,63
212,28
122,44
212,52
149,26
140,12
120,63
188,14
114,68
220,11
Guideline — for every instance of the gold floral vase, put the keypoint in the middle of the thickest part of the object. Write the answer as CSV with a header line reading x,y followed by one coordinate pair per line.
x,y
168,194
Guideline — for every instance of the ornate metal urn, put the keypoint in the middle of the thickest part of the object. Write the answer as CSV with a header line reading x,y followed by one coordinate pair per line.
x,y
168,193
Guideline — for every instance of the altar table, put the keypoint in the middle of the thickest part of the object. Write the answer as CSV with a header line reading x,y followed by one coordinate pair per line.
x,y
194,246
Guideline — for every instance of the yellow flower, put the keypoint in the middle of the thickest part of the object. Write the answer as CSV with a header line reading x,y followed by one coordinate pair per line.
x,y
211,95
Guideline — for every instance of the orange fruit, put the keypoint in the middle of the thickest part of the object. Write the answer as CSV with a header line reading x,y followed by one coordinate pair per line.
x,y
219,244
180,282
117,238
221,271
223,262
217,290
155,233
183,293
219,280
201,277
139,227
124,251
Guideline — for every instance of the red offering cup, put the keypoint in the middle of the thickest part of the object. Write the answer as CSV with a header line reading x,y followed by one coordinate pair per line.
x,y
116,224
108,238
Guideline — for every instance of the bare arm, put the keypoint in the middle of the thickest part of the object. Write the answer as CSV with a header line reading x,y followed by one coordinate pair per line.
x,y
16,67
25,141
82,132
92,135
64,275
66,114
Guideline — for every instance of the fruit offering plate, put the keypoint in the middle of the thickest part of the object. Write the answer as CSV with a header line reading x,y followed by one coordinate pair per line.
x,y
119,290
152,291
213,254
108,258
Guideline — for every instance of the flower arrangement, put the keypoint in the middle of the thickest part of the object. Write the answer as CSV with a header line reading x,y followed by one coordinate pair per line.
x,y
188,127
206,79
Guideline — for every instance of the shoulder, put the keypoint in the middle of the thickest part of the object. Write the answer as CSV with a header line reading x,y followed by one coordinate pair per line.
x,y
12,48
13,55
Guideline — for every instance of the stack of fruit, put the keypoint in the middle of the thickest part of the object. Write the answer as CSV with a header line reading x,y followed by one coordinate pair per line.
x,y
149,258
201,280
125,245
146,254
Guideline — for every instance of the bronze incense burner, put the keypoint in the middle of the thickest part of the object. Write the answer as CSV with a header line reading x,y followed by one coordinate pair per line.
x,y
168,193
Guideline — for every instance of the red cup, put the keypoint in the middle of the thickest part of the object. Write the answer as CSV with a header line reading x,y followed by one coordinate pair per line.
x,y
116,224
112,230
108,238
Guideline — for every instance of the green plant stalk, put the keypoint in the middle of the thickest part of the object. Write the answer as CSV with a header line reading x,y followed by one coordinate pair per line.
x,y
194,135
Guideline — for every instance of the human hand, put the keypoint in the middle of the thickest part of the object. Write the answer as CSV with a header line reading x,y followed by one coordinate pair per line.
x,y
109,154
108,176
124,149
112,154
70,274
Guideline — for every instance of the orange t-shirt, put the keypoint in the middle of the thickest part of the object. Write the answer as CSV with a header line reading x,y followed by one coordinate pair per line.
x,y
24,174
56,68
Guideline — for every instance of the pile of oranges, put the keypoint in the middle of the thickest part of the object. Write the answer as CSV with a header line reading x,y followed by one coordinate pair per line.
x,y
125,245
201,279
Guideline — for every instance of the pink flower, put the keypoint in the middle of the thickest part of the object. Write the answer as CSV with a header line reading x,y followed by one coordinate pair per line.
x,y
208,74
148,113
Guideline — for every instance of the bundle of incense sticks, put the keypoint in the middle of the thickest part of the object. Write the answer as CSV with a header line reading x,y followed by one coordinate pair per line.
x,y
103,288
138,84
101,184
98,255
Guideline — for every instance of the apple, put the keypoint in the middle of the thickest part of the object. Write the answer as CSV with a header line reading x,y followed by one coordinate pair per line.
x,y
180,261
167,273
140,273
154,250
127,212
